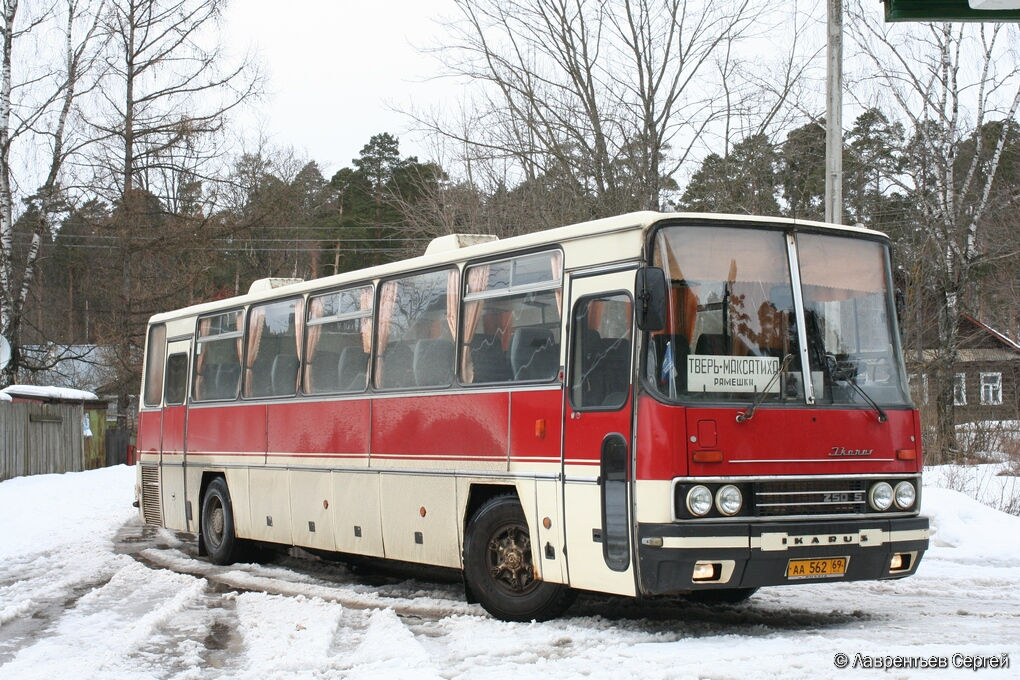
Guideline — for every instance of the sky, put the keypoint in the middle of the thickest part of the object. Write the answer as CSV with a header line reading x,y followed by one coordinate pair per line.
x,y
334,81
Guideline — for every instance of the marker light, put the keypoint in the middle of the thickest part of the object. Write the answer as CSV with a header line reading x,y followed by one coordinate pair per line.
x,y
880,497
699,501
728,500
905,495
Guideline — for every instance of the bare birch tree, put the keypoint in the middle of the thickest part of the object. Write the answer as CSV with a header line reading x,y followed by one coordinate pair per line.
x,y
947,81
36,107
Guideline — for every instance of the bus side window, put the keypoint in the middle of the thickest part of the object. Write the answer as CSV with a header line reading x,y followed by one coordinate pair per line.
x,y
217,371
417,323
339,330
600,364
176,379
273,352
511,320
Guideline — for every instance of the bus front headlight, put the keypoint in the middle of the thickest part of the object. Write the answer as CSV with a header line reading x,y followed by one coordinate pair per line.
x,y
880,497
728,500
699,500
905,494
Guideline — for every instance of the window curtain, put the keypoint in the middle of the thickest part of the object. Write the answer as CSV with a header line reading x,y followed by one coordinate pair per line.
x,y
557,273
452,290
256,323
387,302
239,325
477,280
203,330
366,322
316,310
299,331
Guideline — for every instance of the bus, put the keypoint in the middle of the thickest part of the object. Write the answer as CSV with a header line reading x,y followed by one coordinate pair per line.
x,y
645,405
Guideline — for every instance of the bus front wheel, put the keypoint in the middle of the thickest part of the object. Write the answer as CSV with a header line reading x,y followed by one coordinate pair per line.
x,y
499,570
218,538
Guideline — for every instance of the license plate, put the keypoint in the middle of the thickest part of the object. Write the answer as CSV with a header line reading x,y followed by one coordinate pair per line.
x,y
827,567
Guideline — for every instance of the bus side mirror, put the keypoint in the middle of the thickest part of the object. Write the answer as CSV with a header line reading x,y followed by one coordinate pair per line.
x,y
650,294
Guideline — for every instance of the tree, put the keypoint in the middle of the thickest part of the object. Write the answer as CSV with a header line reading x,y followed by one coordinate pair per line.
x,y
385,205
802,174
946,81
608,99
872,161
35,112
166,93
743,182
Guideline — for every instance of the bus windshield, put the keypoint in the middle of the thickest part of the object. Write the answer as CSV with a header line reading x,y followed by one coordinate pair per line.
x,y
732,328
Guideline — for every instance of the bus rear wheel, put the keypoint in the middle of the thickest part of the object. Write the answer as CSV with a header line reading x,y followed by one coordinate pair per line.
x,y
218,538
499,569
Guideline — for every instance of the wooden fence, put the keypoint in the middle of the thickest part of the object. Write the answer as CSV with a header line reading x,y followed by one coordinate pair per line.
x,y
39,439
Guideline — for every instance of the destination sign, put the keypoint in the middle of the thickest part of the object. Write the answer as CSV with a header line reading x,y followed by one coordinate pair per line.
x,y
712,373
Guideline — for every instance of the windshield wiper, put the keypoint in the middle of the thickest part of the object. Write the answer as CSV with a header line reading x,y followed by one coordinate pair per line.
x,y
749,413
882,417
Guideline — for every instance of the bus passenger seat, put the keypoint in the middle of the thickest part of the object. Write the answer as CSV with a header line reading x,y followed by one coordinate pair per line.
x,y
397,366
283,375
226,381
433,362
351,368
534,354
489,359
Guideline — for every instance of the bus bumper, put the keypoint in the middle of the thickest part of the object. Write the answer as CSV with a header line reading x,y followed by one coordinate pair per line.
x,y
675,558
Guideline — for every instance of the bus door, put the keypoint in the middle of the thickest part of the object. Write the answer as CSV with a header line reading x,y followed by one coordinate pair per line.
x,y
175,423
597,433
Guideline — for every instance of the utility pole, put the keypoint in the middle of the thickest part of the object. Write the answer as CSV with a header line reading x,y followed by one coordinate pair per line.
x,y
834,113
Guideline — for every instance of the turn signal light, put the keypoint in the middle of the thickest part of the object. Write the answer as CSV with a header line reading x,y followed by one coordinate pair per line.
x,y
906,454
708,456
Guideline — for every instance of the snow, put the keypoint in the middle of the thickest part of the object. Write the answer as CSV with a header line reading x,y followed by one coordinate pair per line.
x,y
49,392
86,591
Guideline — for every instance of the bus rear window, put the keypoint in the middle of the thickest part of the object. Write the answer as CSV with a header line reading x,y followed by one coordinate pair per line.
x,y
155,355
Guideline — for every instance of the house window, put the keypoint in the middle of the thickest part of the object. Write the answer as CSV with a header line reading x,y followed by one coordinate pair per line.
x,y
991,389
960,389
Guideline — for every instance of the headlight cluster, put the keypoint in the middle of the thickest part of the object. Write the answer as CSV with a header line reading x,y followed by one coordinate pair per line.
x,y
728,500
882,496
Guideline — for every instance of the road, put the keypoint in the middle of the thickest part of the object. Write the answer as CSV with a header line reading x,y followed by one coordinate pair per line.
x,y
140,603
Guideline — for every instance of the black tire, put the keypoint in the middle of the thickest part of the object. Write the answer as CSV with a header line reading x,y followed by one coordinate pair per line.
x,y
721,596
498,567
218,538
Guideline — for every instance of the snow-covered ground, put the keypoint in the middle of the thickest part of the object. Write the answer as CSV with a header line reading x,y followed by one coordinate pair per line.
x,y
86,592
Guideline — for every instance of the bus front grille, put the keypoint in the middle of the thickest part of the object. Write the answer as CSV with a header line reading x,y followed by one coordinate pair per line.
x,y
150,495
773,498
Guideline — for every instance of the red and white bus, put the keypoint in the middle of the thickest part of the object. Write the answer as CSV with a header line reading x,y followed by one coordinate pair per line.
x,y
643,405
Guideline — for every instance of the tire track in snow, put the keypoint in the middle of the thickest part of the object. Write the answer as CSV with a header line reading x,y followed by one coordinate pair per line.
x,y
102,633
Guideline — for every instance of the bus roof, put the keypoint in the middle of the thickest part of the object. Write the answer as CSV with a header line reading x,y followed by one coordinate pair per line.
x,y
642,221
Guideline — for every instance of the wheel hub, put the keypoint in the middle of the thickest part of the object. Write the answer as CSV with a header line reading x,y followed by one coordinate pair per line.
x,y
510,559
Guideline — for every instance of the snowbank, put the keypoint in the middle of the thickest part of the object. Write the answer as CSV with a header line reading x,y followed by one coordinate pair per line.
x,y
976,530
71,511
